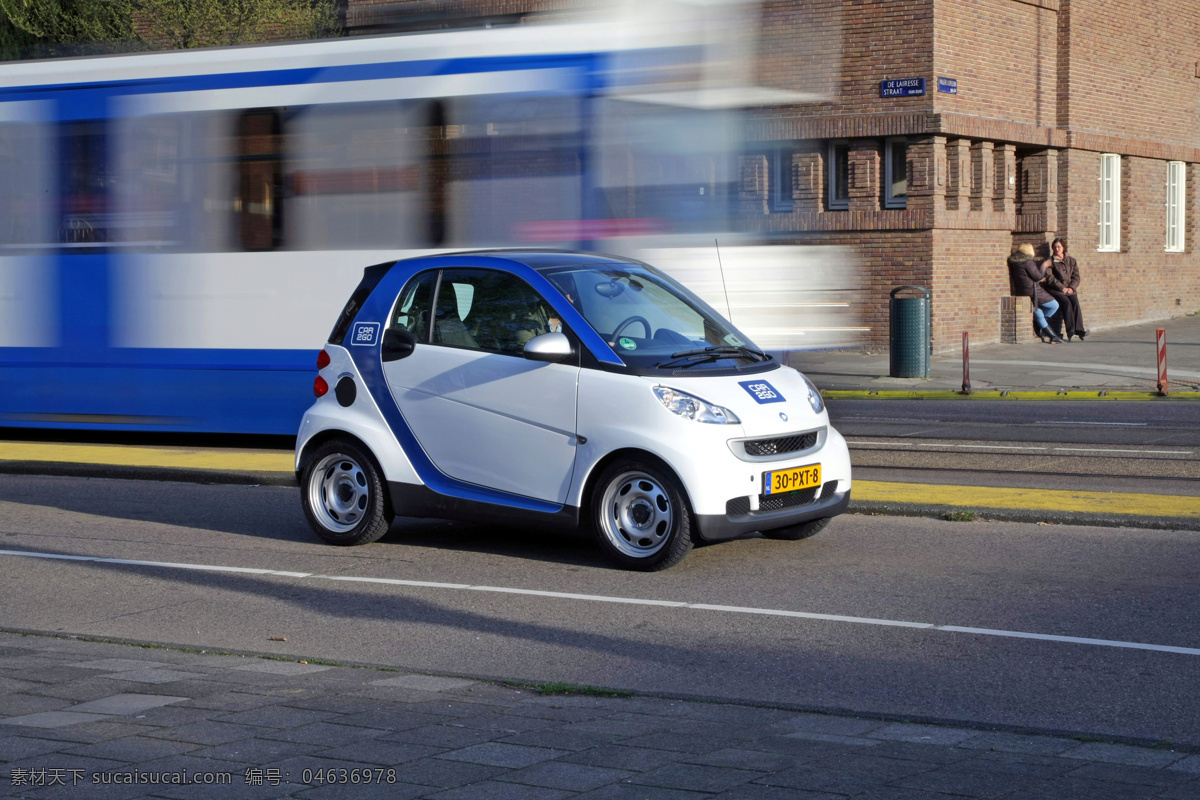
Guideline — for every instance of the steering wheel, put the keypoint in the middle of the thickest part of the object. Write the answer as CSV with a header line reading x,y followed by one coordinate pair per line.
x,y
645,324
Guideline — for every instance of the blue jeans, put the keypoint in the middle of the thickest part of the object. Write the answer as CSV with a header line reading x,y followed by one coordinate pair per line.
x,y
1044,310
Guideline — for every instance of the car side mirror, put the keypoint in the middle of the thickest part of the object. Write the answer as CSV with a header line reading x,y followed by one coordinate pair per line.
x,y
398,343
552,347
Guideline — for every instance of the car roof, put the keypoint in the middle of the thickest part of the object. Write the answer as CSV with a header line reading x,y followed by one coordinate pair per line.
x,y
537,259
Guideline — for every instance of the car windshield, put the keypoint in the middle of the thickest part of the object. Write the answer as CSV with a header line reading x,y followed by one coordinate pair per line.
x,y
650,321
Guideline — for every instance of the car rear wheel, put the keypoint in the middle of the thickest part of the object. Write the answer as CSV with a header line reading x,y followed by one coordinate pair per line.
x,y
641,517
343,495
799,531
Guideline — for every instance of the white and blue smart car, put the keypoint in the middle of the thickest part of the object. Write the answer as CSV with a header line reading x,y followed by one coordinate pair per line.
x,y
560,389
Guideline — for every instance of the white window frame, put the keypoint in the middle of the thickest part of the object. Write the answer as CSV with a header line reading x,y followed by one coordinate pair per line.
x,y
889,200
1110,203
831,202
1176,206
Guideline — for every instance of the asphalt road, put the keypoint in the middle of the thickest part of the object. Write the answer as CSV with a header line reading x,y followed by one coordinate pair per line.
x,y
729,622
1101,422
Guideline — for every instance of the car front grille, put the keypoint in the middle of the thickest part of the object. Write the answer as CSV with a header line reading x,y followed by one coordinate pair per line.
x,y
740,506
780,445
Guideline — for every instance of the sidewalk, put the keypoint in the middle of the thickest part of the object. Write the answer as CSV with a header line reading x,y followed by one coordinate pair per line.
x,y
1114,360
78,716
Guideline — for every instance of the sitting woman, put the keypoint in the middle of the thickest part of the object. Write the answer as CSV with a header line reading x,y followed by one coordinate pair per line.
x,y
1062,283
1030,277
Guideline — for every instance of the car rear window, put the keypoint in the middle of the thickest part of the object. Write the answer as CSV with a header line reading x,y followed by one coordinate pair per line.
x,y
371,278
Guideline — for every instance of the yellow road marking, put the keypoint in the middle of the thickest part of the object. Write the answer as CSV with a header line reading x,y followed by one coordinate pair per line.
x,y
124,456
1144,505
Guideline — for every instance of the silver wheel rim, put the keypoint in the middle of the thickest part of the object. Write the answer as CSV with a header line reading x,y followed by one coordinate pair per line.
x,y
636,514
338,493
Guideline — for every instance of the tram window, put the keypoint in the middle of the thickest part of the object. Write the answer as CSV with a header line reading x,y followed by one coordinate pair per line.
x,y
359,177
514,170
86,183
26,155
150,194
258,203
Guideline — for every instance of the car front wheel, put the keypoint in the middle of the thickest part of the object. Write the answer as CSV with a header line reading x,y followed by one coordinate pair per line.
x,y
344,495
641,517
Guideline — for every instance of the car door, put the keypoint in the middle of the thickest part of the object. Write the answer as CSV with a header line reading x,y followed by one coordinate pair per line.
x,y
481,411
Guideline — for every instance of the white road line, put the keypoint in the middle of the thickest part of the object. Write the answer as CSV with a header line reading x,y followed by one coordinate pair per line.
x,y
983,446
1118,450
1046,637
1067,422
768,612
166,564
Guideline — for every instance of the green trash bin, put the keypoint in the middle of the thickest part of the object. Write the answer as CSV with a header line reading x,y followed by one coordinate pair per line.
x,y
909,340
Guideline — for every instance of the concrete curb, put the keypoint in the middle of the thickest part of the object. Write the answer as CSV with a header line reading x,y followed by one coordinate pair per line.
x,y
139,473
873,507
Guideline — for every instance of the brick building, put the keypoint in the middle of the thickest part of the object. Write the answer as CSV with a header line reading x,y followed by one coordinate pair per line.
x,y
1040,118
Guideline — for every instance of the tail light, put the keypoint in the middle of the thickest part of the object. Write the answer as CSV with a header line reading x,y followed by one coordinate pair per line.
x,y
322,360
320,387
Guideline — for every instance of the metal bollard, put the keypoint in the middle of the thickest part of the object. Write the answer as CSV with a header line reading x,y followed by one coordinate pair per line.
x,y
1163,387
966,388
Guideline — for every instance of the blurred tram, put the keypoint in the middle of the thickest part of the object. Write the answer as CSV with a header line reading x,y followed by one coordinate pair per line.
x,y
179,230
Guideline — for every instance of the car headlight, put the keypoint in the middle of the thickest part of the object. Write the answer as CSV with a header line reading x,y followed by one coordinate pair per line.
x,y
814,397
693,408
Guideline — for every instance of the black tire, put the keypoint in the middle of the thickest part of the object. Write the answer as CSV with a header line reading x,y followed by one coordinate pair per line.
x,y
803,530
641,517
343,494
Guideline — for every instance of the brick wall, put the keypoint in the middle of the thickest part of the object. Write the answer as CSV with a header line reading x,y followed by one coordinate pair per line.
x,y
1143,281
969,278
1003,55
1131,68
1044,87
803,43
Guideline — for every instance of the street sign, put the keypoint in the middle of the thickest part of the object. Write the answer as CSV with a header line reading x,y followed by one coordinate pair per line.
x,y
902,87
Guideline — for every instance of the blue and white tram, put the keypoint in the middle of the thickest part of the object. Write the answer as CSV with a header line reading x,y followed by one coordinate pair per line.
x,y
178,229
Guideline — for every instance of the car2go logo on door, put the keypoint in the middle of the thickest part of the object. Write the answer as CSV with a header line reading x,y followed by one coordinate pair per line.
x,y
762,392
364,333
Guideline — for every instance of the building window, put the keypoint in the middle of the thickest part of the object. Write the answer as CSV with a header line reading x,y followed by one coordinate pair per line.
x,y
779,181
895,187
1110,203
839,176
1176,205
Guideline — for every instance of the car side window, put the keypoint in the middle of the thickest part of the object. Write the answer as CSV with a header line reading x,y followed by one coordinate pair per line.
x,y
488,310
412,309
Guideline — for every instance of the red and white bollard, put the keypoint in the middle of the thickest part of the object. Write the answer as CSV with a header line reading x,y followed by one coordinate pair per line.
x,y
1163,387
966,388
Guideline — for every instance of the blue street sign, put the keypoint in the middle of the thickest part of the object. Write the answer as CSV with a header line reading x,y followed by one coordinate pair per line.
x,y
948,85
902,87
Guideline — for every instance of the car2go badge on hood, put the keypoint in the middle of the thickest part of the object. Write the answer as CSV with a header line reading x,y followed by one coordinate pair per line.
x,y
762,392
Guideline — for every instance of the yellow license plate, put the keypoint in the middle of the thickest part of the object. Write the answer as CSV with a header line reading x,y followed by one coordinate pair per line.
x,y
790,480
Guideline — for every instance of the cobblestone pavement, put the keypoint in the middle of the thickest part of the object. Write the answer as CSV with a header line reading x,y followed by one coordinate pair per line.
x,y
102,720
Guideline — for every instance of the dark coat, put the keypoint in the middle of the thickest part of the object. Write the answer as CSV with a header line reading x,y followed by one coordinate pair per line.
x,y
1027,276
1064,274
